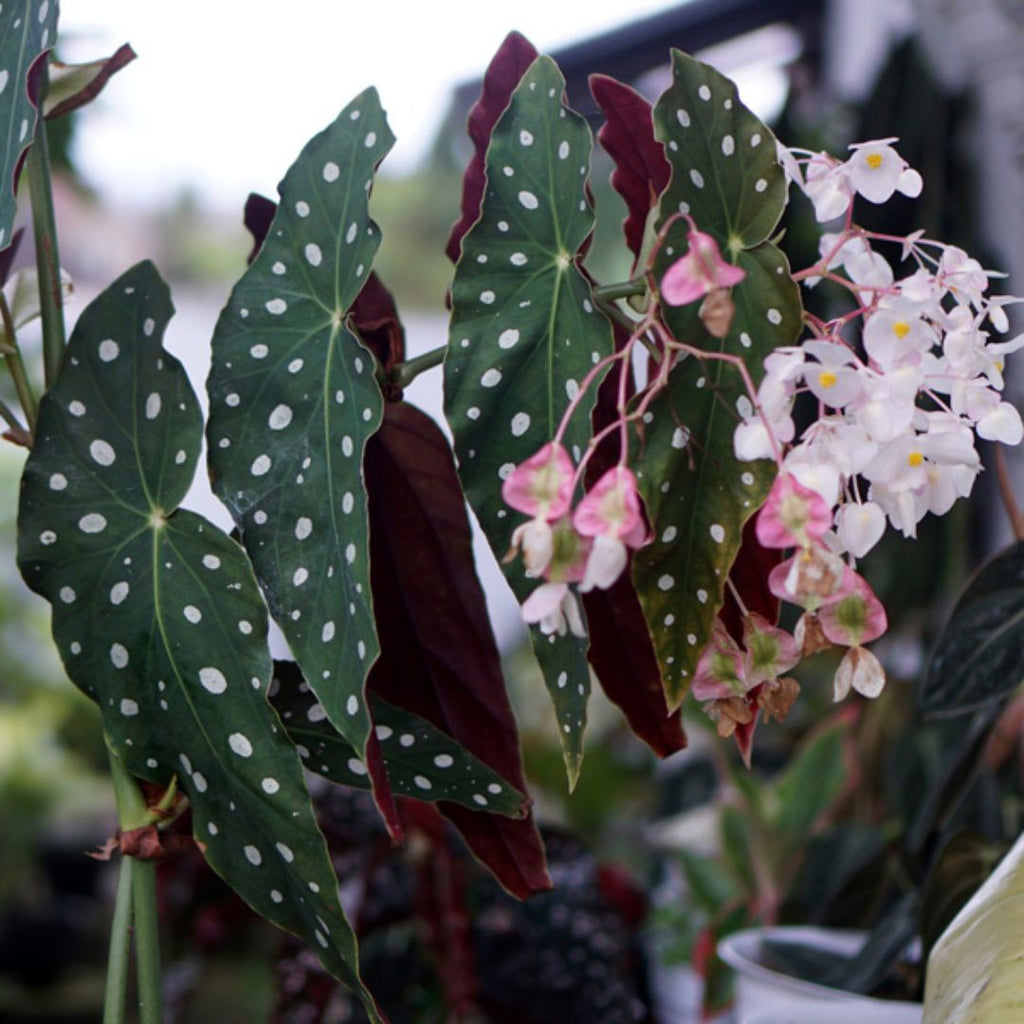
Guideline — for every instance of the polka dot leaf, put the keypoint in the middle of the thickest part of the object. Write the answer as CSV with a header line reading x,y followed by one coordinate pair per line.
x,y
28,28
157,615
293,400
724,168
697,494
422,762
524,334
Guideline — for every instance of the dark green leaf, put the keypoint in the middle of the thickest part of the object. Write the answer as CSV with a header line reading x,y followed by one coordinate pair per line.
x,y
523,317
980,653
422,762
157,615
293,400
698,495
28,29
725,173
710,885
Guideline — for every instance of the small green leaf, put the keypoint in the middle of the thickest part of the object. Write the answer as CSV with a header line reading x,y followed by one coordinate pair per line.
x,y
422,762
293,400
157,616
980,653
28,29
524,335
725,173
698,495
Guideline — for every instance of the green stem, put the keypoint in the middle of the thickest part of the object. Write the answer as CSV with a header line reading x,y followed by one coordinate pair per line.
x,y
15,363
623,290
403,374
44,226
132,813
147,942
117,961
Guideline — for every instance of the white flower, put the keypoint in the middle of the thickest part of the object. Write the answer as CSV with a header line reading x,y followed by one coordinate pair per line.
x,y
827,187
859,527
876,171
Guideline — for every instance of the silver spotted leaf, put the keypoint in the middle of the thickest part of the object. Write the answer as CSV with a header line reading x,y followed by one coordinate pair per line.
x,y
422,762
293,400
725,173
28,28
697,494
157,615
524,335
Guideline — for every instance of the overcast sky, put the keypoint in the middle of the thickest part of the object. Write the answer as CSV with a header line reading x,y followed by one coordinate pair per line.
x,y
226,92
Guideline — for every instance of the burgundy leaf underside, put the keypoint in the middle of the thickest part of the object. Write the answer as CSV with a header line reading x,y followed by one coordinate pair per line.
x,y
641,170
503,74
438,655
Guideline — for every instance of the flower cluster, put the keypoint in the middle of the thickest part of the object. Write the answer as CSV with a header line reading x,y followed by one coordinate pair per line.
x,y
900,404
588,547
899,413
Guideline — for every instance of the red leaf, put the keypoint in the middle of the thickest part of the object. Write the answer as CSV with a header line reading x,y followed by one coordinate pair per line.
x,y
641,169
438,654
507,67
257,217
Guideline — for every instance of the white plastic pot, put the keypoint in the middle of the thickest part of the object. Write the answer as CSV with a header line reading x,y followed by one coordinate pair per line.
x,y
766,996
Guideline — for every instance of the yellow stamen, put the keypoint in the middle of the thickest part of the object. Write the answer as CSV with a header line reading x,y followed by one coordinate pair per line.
x,y
827,378
915,459
901,329
874,161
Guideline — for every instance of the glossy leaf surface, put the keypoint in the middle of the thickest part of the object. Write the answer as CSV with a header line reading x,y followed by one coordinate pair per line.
x,y
157,615
422,761
28,28
980,653
697,494
293,401
523,318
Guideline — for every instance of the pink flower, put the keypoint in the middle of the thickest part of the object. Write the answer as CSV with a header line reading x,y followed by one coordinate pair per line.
x,y
770,651
553,607
853,615
720,673
542,485
699,272
611,514
792,516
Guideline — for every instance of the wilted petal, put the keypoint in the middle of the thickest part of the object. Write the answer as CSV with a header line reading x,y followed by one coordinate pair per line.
x,y
861,671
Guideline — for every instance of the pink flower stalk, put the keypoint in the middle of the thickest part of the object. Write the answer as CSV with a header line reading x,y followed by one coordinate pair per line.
x,y
611,514
700,271
542,485
792,515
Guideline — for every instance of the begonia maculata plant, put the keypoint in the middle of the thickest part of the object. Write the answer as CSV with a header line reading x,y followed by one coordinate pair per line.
x,y
628,448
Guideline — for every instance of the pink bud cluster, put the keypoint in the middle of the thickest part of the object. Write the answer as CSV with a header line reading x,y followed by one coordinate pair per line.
x,y
587,547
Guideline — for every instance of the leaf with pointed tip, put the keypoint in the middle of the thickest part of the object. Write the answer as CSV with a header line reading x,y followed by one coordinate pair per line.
x,y
641,170
698,495
157,616
422,762
725,172
439,659
28,29
73,85
523,317
503,74
293,400
980,654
